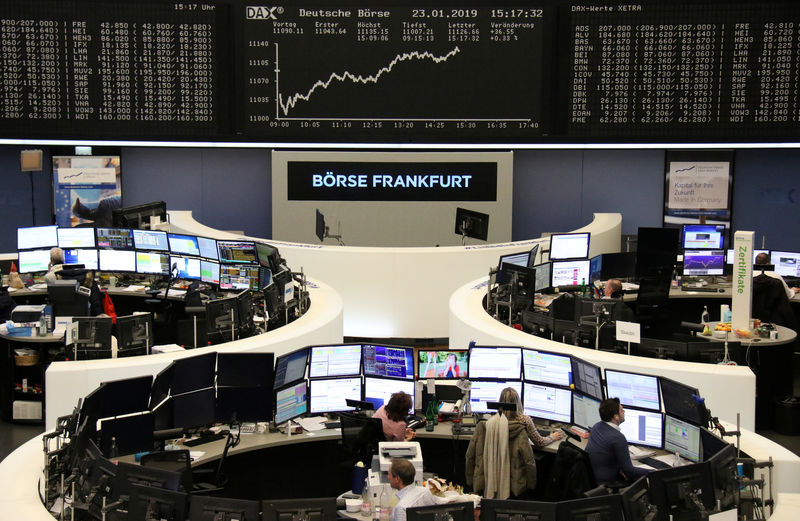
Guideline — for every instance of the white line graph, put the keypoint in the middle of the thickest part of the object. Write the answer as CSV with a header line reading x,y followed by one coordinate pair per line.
x,y
291,101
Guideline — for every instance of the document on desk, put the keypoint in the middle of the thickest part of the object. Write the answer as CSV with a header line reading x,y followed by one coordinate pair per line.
x,y
316,423
195,454
134,287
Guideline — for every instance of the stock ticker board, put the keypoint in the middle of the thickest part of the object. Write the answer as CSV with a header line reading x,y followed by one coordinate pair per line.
x,y
553,71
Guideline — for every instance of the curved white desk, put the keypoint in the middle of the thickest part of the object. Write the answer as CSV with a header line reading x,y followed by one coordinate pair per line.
x,y
403,292
66,382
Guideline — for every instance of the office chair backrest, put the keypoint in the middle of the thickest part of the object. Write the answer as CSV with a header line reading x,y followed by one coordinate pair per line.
x,y
572,474
653,292
173,461
360,436
770,302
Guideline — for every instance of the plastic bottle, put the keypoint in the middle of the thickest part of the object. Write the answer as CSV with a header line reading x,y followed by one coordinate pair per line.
x,y
384,502
366,499
705,318
430,416
583,287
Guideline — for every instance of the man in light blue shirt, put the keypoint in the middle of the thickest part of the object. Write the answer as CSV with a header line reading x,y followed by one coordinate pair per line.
x,y
401,478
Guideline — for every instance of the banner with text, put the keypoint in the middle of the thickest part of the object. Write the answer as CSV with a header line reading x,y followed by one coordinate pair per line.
x,y
698,188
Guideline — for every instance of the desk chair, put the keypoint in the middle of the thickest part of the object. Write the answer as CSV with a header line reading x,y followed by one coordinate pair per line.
x,y
770,303
360,437
572,474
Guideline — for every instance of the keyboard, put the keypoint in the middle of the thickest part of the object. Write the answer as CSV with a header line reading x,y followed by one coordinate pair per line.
x,y
655,463
205,439
703,289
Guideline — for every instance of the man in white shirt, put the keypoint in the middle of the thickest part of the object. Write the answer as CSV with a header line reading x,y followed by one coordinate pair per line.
x,y
56,264
763,258
401,478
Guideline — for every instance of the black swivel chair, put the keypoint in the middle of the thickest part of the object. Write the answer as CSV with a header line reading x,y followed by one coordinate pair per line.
x,y
572,474
770,302
360,437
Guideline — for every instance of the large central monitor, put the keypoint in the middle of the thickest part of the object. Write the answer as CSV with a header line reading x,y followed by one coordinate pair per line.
x,y
549,403
643,427
336,360
330,394
569,246
569,273
704,236
188,268
377,391
149,263
549,368
483,391
682,438
703,262
76,238
85,256
391,361
495,362
633,389
446,364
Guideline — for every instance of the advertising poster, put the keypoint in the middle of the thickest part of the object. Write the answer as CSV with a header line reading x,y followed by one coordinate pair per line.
x,y
698,191
86,189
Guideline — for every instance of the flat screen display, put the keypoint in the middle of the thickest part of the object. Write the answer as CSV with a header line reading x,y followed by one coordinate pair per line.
x,y
391,361
117,260
75,238
643,428
150,263
329,395
569,246
208,248
704,236
37,237
209,272
550,403
570,273
681,437
187,268
238,277
495,362
787,263
517,259
377,391
33,261
150,240
731,259
549,368
290,367
681,401
236,252
115,238
587,378
183,244
442,364
703,262
542,276
585,410
338,360
87,257
291,402
633,389
485,391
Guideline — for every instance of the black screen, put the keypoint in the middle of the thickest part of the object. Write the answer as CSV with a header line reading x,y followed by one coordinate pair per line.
x,y
245,369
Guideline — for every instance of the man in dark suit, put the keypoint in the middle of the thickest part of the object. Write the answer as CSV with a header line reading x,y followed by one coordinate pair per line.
x,y
608,448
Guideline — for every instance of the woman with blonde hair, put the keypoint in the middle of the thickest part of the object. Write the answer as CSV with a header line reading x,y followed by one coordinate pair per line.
x,y
510,395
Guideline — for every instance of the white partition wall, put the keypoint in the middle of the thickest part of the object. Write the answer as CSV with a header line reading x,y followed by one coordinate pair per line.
x,y
403,292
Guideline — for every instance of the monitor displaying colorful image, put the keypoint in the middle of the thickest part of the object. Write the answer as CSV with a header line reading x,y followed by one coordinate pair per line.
x,y
444,364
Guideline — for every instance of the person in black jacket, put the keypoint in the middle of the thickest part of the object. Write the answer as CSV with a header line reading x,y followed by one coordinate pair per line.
x,y
608,448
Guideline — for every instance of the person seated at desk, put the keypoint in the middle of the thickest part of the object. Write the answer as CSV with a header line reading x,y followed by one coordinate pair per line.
x,y
613,290
393,414
763,258
510,395
608,447
401,478
56,264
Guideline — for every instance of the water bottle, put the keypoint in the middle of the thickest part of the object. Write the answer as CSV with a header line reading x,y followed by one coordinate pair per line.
x,y
42,325
705,318
366,499
583,287
48,317
384,516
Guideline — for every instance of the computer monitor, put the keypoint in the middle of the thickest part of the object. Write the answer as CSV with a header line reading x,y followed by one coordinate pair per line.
x,y
222,319
66,300
470,223
643,427
127,435
633,389
291,401
682,401
209,272
114,238
117,260
307,509
537,323
511,509
518,259
237,252
390,361
703,262
444,364
542,276
724,473
33,261
329,394
155,503
75,238
161,386
544,367
585,410
208,248
264,277
663,349
612,266
597,508
377,391
730,257
183,244
139,216
93,339
495,362
208,508
569,273
243,404
130,475
656,251
245,369
152,240
787,263
569,246
484,391
546,402
268,256
152,263
290,367
674,491
239,277
636,501
704,236
87,257
35,237
193,373
117,398
335,360
682,438
587,378
188,268
134,334
462,511
194,409
525,276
